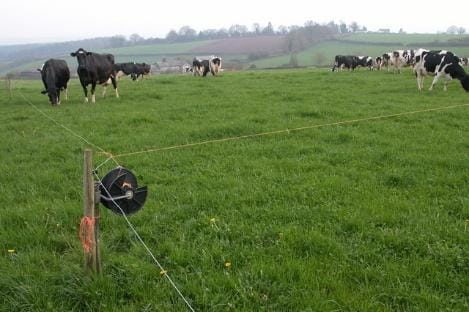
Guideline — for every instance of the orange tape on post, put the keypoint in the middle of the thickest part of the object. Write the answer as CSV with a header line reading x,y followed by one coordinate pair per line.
x,y
86,233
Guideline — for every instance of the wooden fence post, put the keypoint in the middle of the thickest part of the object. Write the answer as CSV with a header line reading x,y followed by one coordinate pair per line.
x,y
8,85
91,211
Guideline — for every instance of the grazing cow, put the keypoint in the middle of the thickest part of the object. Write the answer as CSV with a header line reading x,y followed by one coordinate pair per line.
x,y
464,61
94,68
142,69
401,58
386,60
203,67
55,76
133,69
125,69
365,61
186,68
440,63
378,62
348,61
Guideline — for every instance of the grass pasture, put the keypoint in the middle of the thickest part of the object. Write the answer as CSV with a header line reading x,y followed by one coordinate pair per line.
x,y
369,216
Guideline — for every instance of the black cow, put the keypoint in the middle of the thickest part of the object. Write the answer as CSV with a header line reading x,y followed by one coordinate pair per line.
x,y
133,69
203,67
55,76
348,61
142,69
125,69
439,63
94,68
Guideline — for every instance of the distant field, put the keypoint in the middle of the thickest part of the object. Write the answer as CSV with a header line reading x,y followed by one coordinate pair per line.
x,y
408,39
261,44
238,50
159,49
366,216
323,53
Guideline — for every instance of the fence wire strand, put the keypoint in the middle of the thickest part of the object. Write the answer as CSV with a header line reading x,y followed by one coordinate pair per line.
x,y
69,130
131,226
159,149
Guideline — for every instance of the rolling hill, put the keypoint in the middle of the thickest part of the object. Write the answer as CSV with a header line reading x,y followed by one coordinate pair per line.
x,y
261,52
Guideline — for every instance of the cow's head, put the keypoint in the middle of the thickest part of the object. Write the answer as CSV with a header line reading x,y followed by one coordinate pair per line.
x,y
81,55
53,94
146,68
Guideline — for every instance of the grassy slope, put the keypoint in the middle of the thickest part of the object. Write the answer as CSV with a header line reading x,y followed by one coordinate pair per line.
x,y
328,50
403,38
362,217
146,53
171,48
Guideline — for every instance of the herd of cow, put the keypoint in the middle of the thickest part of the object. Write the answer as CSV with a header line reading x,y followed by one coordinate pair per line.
x,y
423,62
94,69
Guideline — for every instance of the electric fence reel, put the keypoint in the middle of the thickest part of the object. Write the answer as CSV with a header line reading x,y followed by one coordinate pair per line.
x,y
120,192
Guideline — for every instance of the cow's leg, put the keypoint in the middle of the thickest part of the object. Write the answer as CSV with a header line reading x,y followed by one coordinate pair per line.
x,y
114,84
85,90
435,80
419,82
104,90
93,90
447,79
66,93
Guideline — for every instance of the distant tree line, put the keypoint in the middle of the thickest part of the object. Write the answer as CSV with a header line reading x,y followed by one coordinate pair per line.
x,y
187,33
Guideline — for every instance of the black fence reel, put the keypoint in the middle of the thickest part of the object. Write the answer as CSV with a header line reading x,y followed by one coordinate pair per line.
x,y
120,192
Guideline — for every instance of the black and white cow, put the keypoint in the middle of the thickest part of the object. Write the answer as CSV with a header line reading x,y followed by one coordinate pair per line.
x,y
125,69
203,67
55,76
402,58
378,62
365,61
348,61
386,60
464,61
94,68
186,68
133,69
440,64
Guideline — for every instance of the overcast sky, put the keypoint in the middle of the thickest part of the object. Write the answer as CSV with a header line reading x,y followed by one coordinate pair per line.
x,y
28,21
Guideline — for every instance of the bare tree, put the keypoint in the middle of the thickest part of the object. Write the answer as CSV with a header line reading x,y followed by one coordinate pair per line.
x,y
461,30
268,30
187,33
343,28
283,30
354,26
452,30
136,38
172,35
237,30
256,28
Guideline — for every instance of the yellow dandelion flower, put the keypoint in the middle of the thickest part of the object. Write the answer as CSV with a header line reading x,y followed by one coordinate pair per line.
x,y
11,250
213,220
163,272
227,264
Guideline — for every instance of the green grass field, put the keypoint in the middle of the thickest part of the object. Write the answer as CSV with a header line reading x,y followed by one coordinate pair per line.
x,y
369,216
408,39
323,53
